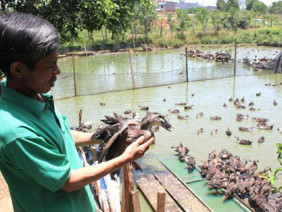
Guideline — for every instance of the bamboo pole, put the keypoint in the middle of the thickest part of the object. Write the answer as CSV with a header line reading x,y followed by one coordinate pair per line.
x,y
235,56
161,201
127,187
74,78
186,58
131,68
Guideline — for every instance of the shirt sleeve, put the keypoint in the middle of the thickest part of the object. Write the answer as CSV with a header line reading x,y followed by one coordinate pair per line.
x,y
40,160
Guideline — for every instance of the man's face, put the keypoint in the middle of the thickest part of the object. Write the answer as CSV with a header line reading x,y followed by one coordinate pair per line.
x,y
44,75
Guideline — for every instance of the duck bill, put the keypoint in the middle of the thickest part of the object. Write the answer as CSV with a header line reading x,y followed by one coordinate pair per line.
x,y
167,126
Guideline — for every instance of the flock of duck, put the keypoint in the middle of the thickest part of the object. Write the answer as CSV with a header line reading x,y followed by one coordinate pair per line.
x,y
220,56
235,178
262,123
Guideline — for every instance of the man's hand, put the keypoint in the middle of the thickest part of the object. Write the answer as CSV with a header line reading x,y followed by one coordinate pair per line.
x,y
137,149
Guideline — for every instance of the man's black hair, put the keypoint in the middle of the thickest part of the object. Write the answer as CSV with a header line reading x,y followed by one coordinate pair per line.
x,y
25,38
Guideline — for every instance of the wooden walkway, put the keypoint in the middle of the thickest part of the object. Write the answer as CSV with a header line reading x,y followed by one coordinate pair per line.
x,y
178,197
185,191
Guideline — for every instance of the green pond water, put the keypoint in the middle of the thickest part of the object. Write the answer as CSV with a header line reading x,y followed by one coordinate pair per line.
x,y
210,95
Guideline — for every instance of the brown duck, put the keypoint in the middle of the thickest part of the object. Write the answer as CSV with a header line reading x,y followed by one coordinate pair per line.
x,y
243,141
118,134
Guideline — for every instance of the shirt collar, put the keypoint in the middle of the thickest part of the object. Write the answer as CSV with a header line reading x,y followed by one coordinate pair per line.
x,y
22,100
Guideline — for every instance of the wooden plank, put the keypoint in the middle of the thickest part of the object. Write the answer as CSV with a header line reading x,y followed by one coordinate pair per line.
x,y
185,198
135,201
161,201
150,188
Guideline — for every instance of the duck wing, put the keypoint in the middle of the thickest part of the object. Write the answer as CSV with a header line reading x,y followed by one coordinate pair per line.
x,y
111,141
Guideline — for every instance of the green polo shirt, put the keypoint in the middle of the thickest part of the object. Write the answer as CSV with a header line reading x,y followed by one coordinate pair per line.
x,y
37,154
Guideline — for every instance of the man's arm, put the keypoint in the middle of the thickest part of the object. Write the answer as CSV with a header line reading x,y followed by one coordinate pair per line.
x,y
82,139
79,178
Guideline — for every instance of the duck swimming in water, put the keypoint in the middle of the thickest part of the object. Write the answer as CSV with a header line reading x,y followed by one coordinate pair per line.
x,y
246,129
261,139
199,131
143,107
188,107
228,132
214,132
243,141
182,117
258,94
199,115
174,111
215,118
118,133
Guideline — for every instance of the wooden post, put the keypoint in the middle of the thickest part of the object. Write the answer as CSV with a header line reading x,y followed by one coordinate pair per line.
x,y
186,57
135,201
131,68
161,201
79,119
235,57
127,187
94,154
74,78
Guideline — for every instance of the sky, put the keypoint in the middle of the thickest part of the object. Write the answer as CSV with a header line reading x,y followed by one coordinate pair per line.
x,y
213,2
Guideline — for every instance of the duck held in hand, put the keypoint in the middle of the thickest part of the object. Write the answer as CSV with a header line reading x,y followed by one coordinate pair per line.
x,y
118,133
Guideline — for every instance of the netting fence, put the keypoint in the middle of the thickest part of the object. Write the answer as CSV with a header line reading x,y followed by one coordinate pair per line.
x,y
113,72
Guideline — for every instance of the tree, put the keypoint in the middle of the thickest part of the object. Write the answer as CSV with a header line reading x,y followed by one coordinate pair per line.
x,y
221,5
276,8
249,4
171,23
259,7
183,18
244,19
232,5
216,20
202,16
233,19
70,16
145,13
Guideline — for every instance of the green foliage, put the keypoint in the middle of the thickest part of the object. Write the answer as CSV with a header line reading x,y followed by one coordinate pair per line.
x,y
272,178
244,19
202,15
232,5
249,4
171,23
259,7
144,13
276,7
71,16
221,5
183,18
279,151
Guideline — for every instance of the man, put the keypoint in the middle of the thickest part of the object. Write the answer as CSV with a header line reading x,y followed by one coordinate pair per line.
x,y
38,158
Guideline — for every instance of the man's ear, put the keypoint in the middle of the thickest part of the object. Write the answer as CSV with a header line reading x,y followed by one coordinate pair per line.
x,y
17,69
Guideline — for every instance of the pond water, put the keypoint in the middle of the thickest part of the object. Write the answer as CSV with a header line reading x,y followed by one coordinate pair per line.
x,y
112,72
209,97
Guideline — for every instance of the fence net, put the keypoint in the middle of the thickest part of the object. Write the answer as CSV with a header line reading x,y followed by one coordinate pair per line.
x,y
112,72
